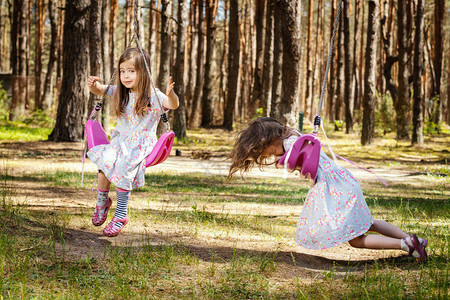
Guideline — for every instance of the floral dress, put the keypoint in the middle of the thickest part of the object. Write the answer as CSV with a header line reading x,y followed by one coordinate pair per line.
x,y
335,210
133,138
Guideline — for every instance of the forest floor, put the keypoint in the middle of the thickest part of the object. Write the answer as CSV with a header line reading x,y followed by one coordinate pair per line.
x,y
192,207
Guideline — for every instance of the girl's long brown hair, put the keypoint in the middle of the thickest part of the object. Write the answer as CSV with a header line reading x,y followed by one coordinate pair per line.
x,y
252,141
143,83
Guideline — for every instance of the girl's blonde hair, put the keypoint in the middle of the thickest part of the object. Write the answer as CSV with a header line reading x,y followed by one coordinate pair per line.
x,y
252,141
143,83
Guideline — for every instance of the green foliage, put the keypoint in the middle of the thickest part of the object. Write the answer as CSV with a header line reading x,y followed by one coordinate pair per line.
x,y
259,112
39,118
4,104
385,113
338,125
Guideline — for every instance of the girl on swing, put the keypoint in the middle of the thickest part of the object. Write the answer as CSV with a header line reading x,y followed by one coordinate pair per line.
x,y
122,162
334,211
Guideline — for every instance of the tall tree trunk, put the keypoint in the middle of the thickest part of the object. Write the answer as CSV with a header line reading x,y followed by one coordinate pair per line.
x,y
355,71
47,95
40,18
18,59
164,67
257,77
179,123
105,59
339,100
448,88
128,11
192,49
223,63
348,96
59,62
246,59
210,66
71,113
309,73
332,78
439,13
368,129
268,60
112,32
1,39
402,106
290,32
417,135
95,53
233,65
361,56
275,105
193,117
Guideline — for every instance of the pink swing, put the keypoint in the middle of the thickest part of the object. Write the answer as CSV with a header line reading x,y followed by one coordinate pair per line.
x,y
95,135
304,155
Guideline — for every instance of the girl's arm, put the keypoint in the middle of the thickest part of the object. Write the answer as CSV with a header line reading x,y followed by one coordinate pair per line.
x,y
95,86
171,102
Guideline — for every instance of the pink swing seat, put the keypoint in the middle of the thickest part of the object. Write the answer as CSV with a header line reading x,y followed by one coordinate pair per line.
x,y
95,135
304,155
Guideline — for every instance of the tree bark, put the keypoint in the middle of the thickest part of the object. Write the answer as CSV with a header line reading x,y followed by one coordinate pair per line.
x,y
355,71
290,32
402,106
439,13
417,135
112,32
309,73
200,68
179,123
105,14
18,59
71,113
257,75
191,56
233,65
40,18
339,100
268,60
368,129
275,111
348,96
332,79
210,66
47,95
95,53
166,28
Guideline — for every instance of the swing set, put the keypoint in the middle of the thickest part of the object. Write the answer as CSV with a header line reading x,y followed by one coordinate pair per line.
x,y
96,135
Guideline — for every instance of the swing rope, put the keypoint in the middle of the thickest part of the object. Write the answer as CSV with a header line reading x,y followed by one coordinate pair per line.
x,y
135,37
317,120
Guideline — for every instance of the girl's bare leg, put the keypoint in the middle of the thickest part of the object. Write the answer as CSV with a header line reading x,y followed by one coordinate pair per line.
x,y
387,229
375,242
103,182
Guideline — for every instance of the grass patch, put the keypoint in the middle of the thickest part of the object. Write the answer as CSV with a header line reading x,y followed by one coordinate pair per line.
x,y
195,236
22,132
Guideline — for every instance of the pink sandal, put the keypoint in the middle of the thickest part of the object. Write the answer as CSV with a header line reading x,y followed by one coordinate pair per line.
x,y
112,229
416,249
100,218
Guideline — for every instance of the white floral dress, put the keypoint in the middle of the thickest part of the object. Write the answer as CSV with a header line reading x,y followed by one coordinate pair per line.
x,y
133,138
334,211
